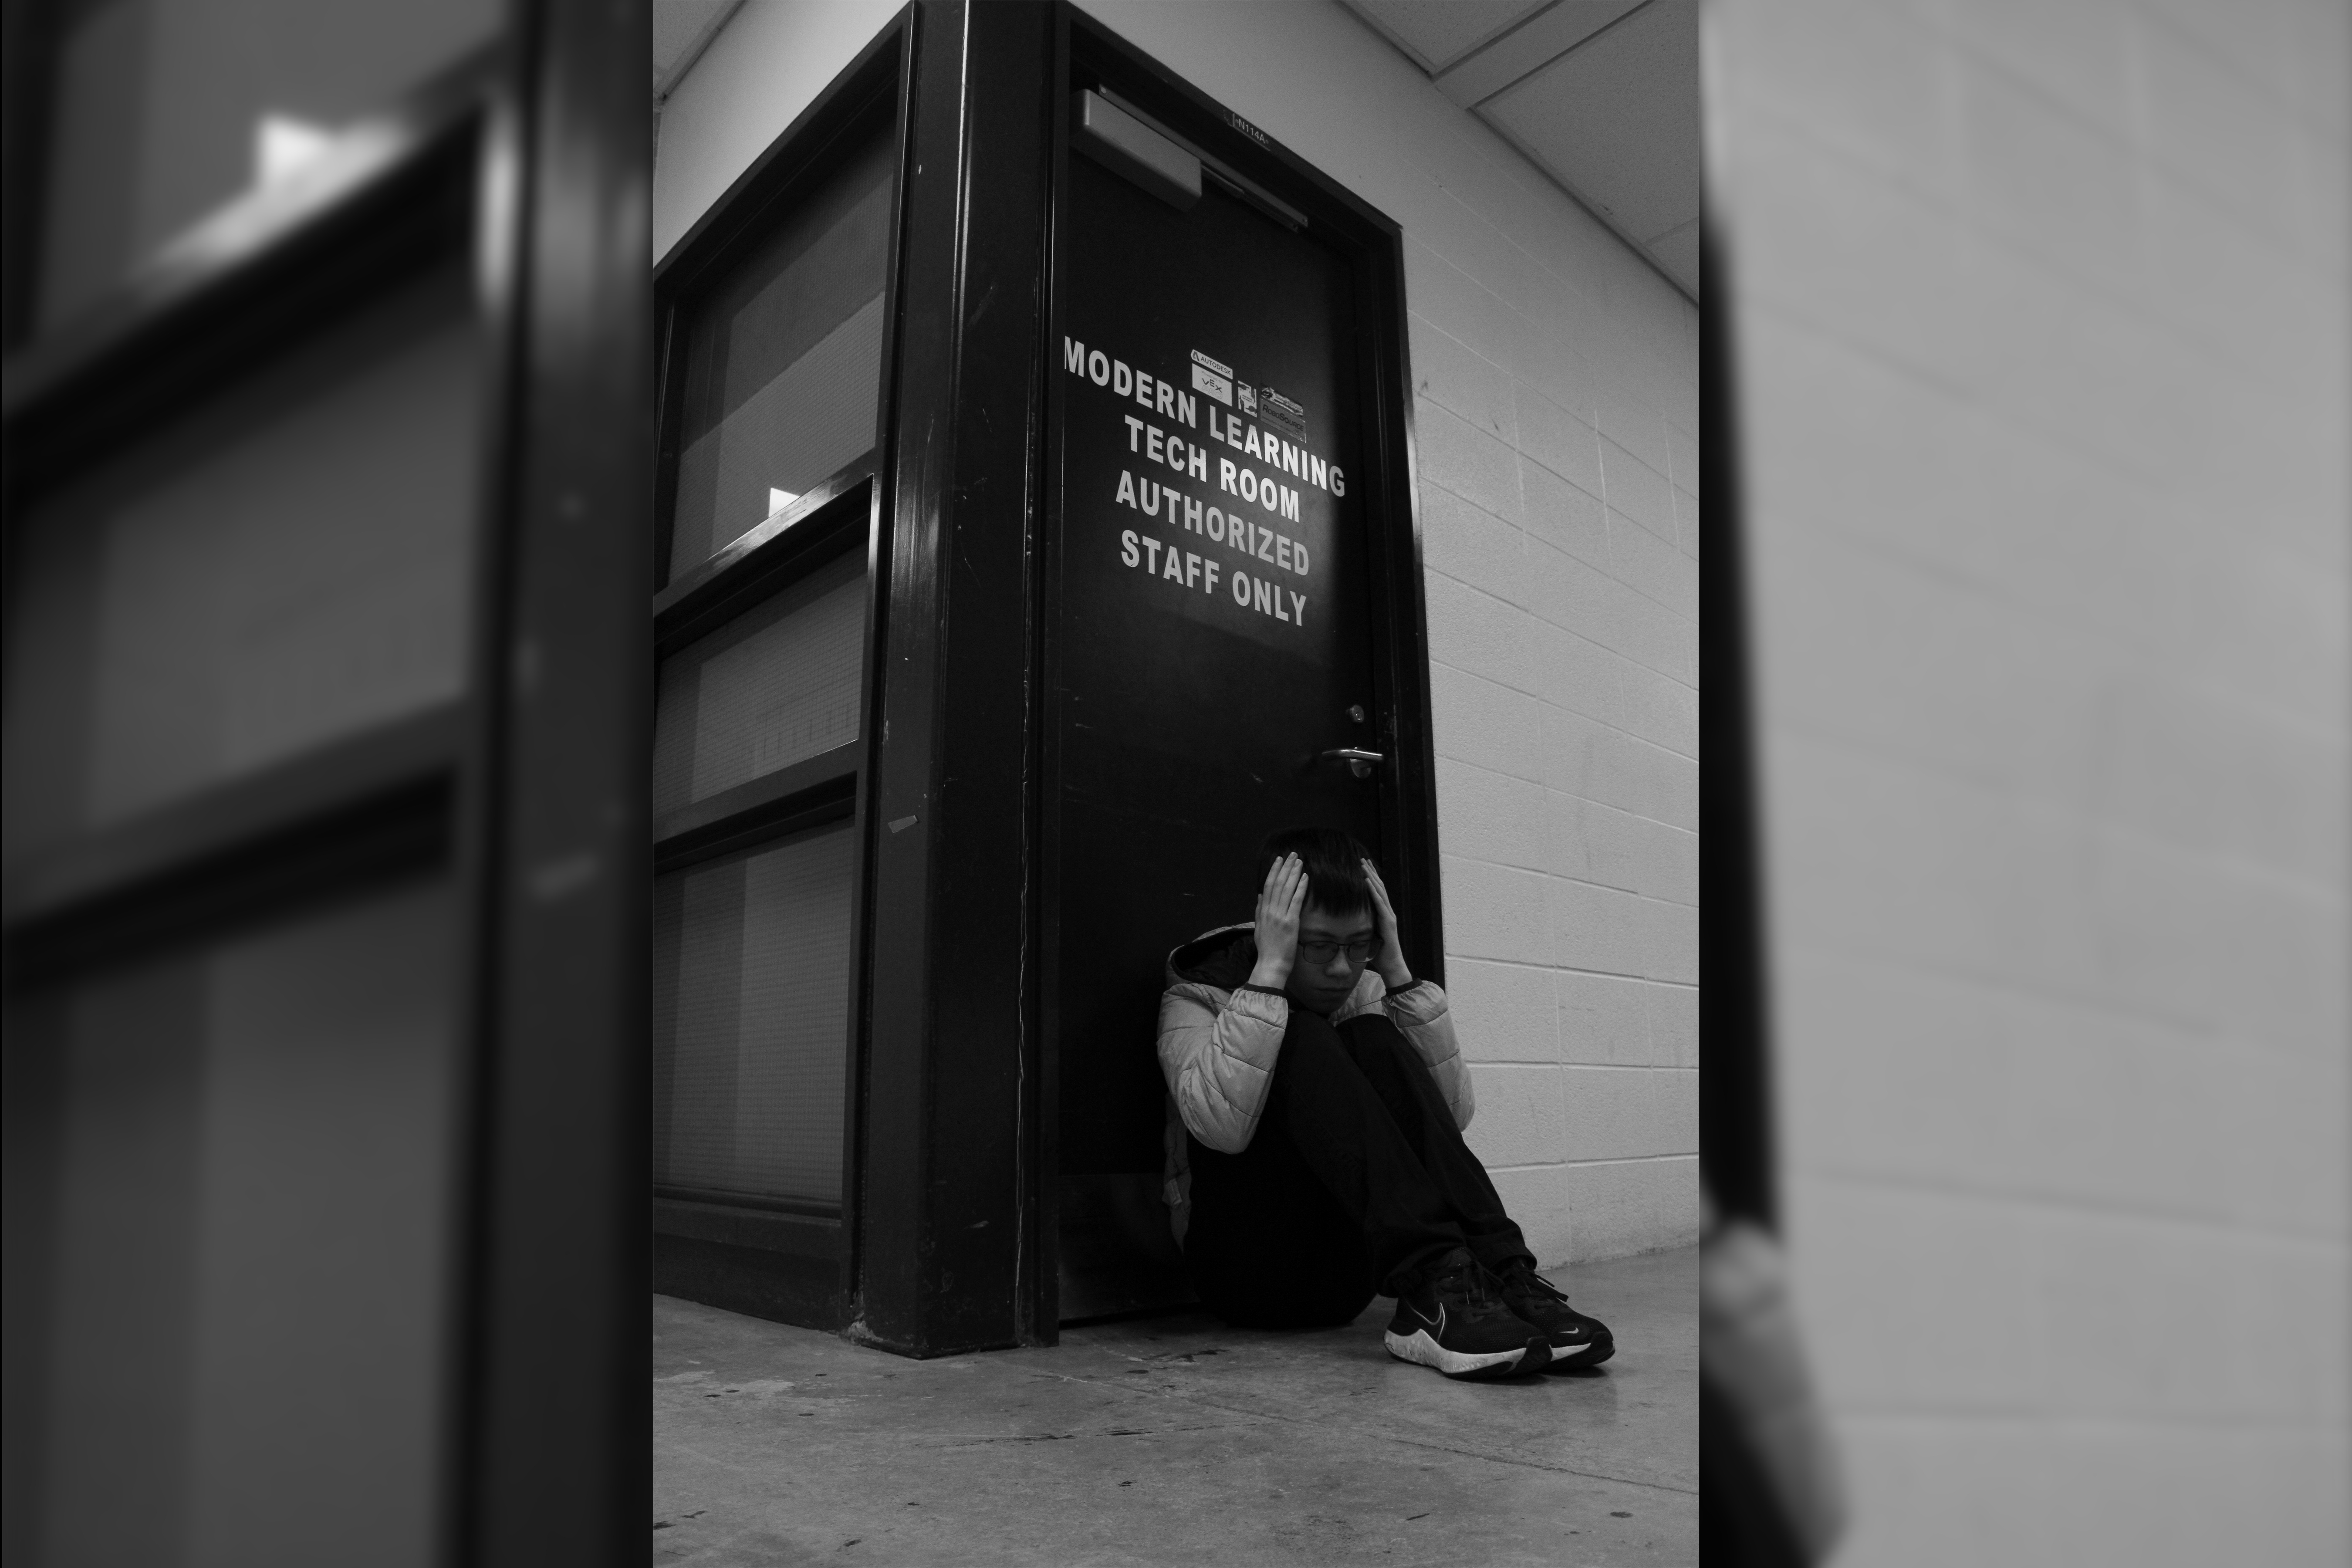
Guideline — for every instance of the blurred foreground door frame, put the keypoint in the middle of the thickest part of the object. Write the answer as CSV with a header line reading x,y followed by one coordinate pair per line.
x,y
562,1464
1736,1143
528,166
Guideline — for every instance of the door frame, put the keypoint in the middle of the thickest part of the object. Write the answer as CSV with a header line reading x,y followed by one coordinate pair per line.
x,y
526,164
1088,54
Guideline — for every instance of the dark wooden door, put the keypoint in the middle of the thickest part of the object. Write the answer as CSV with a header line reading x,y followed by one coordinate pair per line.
x,y
1214,637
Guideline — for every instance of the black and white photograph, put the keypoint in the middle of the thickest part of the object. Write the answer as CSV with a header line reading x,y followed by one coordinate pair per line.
x,y
1125,783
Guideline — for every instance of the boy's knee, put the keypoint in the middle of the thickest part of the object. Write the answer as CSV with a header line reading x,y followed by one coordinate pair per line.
x,y
1382,1051
1306,1026
1312,1054
1310,1040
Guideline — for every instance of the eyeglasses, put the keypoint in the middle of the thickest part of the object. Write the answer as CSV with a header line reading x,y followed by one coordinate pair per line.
x,y
1321,952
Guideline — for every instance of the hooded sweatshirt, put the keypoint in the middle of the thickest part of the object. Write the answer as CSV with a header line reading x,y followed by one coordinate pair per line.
x,y
1219,1038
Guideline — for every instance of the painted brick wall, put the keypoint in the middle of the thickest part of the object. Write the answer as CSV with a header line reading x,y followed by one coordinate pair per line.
x,y
1555,418
2045,318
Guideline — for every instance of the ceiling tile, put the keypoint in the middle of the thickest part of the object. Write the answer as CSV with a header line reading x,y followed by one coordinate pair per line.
x,y
1489,69
1436,33
1616,118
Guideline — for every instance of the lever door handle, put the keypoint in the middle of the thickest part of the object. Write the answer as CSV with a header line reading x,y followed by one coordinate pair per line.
x,y
1360,762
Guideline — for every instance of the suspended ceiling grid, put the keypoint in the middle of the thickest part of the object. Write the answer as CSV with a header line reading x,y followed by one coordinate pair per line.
x,y
1602,95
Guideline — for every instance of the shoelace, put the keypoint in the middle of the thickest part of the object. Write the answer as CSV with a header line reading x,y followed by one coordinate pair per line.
x,y
1536,1284
1478,1287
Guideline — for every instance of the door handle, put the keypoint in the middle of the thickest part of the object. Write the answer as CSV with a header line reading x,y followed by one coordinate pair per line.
x,y
1360,762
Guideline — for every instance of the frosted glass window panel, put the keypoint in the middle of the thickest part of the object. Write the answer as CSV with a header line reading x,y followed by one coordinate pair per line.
x,y
777,685
783,362
815,416
166,109
289,567
752,1021
240,1188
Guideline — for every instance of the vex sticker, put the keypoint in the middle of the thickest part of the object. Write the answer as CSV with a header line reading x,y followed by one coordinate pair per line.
x,y
1211,377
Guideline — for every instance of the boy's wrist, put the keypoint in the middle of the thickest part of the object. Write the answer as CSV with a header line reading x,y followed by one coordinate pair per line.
x,y
1270,974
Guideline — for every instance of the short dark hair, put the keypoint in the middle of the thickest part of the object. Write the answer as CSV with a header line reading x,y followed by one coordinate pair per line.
x,y
1334,862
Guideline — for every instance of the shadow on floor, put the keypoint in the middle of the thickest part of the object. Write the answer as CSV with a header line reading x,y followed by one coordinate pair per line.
x,y
1178,1440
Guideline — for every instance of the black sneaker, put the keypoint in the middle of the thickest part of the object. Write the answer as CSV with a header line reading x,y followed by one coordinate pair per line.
x,y
1453,1320
1575,1340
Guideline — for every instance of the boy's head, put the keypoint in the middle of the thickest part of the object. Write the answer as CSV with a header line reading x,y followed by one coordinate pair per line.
x,y
1337,928
1334,867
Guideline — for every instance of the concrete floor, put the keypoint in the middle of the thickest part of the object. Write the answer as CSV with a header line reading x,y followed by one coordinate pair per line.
x,y
1177,1440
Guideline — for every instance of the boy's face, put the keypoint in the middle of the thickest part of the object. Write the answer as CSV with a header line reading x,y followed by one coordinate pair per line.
x,y
1332,953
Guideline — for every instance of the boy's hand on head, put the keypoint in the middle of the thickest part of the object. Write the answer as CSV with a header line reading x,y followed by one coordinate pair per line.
x,y
1279,905
1388,959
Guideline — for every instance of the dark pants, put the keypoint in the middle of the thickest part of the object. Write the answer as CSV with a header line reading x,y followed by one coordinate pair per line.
x,y
1357,1180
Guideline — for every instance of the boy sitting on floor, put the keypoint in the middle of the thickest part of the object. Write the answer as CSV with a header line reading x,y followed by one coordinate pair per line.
x,y
1315,1147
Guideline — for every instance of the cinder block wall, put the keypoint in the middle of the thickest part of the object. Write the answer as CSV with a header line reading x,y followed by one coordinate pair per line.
x,y
1556,416
2045,334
